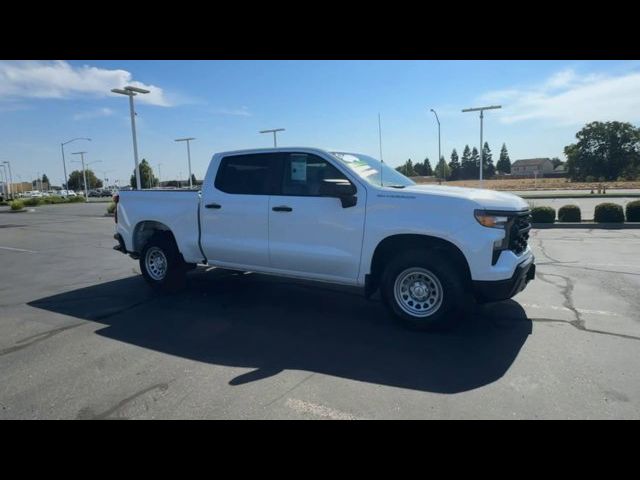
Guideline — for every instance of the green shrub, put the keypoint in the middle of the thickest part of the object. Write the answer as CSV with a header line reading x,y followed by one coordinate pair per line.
x,y
633,211
569,213
111,207
17,205
543,215
75,199
609,213
33,202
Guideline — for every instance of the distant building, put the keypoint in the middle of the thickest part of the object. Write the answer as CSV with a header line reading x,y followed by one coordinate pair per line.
x,y
532,166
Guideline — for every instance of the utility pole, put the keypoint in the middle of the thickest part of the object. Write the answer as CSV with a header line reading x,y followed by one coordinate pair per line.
x,y
189,155
274,131
481,110
132,92
64,164
440,159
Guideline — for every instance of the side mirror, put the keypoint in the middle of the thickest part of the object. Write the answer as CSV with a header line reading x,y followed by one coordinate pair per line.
x,y
342,189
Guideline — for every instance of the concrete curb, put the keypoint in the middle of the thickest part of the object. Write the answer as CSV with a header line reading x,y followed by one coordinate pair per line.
x,y
589,225
543,196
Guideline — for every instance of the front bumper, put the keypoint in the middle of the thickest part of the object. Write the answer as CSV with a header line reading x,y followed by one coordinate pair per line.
x,y
494,291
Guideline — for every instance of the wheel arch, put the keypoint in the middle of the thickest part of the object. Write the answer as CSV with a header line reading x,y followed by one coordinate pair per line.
x,y
395,244
144,230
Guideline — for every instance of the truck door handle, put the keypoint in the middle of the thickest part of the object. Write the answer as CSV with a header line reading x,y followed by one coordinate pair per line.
x,y
212,205
282,208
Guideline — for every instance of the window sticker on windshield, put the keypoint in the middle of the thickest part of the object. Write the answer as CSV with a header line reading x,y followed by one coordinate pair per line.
x,y
299,170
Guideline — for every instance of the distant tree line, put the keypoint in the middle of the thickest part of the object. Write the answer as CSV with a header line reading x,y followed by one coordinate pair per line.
x,y
467,167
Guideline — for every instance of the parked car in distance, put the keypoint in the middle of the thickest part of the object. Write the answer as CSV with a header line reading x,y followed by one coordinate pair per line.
x,y
106,193
94,193
71,193
300,212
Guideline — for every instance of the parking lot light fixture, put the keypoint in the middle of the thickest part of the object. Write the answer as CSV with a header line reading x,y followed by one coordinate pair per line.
x,y
274,131
132,92
481,110
84,173
188,156
10,191
64,163
440,160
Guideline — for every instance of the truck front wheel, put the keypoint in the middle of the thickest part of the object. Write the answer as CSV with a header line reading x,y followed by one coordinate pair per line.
x,y
423,290
161,264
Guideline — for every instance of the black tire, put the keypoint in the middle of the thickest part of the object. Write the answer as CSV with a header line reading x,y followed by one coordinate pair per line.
x,y
454,300
162,244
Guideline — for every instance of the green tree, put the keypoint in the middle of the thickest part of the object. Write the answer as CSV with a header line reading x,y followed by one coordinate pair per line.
x,y
454,166
193,180
473,165
467,166
442,170
488,170
76,180
45,179
504,162
424,168
147,179
604,150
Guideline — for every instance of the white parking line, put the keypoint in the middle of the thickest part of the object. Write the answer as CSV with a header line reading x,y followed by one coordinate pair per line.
x,y
17,249
565,309
301,406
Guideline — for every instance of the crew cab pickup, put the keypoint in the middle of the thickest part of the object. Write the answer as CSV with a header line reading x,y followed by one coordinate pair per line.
x,y
337,217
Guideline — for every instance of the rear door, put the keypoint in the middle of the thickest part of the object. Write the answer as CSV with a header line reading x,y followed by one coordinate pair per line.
x,y
309,233
235,211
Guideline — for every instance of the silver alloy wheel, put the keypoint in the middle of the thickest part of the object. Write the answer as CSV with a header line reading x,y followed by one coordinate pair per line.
x,y
418,292
155,262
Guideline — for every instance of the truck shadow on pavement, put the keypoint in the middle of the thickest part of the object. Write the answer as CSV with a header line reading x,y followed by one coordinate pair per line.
x,y
270,324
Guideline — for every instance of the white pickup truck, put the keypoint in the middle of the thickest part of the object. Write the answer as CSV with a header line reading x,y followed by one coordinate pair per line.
x,y
335,217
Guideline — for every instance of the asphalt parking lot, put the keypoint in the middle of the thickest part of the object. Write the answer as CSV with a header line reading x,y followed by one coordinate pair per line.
x,y
81,336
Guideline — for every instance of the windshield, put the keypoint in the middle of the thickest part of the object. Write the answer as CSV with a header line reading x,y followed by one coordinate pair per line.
x,y
369,169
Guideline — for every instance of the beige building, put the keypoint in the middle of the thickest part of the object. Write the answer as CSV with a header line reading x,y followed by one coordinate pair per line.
x,y
532,167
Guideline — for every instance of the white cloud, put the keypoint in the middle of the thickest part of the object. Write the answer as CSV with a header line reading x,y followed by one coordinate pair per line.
x,y
100,112
58,79
569,99
240,112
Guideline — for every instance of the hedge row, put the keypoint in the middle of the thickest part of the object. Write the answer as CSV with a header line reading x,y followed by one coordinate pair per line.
x,y
604,213
35,201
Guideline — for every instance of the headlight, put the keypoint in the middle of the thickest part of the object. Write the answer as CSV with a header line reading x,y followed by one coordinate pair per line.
x,y
491,220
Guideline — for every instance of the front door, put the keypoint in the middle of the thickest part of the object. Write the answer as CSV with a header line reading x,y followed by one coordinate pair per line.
x,y
311,233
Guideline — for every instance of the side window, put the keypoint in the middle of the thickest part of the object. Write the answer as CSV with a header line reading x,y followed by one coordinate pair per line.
x,y
247,174
306,175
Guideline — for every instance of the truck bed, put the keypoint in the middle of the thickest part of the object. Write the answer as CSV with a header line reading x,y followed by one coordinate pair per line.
x,y
176,209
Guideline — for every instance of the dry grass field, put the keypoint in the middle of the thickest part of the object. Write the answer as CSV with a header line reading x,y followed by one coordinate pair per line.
x,y
532,184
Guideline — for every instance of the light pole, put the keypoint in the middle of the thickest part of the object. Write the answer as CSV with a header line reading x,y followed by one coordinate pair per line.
x,y
439,154
64,164
84,173
273,130
188,155
132,92
481,110
104,177
4,180
11,192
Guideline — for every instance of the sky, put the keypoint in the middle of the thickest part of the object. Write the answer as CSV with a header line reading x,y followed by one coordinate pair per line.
x,y
327,104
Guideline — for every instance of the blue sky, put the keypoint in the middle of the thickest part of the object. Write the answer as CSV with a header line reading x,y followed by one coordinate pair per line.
x,y
332,104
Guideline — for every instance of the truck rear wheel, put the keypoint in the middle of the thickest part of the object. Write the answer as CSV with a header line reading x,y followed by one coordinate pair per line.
x,y
161,264
423,290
